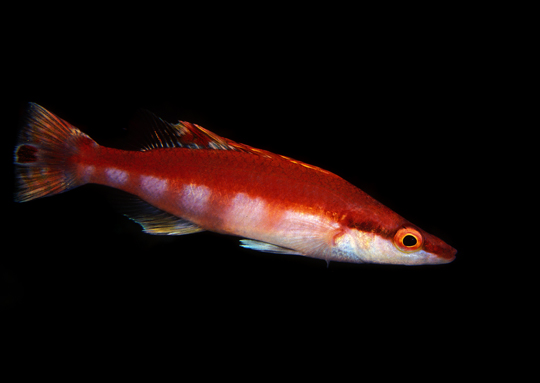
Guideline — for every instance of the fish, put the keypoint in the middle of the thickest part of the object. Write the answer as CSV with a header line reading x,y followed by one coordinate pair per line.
x,y
184,179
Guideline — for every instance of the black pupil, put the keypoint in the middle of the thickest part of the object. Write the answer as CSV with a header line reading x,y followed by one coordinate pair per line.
x,y
409,240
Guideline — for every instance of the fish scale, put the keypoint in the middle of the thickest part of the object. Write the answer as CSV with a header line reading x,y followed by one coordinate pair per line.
x,y
187,179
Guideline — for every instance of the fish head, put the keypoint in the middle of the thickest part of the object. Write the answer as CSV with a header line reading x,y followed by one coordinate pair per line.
x,y
405,244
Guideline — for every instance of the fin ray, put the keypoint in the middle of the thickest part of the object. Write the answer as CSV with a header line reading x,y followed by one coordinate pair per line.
x,y
153,220
156,133
43,152
266,247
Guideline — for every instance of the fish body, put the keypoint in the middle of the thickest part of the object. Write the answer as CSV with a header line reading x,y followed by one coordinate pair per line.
x,y
186,179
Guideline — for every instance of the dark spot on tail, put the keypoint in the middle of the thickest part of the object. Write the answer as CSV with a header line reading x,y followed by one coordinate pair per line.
x,y
26,154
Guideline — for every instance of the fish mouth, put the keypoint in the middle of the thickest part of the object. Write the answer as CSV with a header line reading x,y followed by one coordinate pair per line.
x,y
452,256
446,257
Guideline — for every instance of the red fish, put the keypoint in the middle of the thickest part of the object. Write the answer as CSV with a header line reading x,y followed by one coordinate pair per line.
x,y
187,179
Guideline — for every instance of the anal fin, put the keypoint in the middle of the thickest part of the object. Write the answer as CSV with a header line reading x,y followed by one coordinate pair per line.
x,y
153,220
266,247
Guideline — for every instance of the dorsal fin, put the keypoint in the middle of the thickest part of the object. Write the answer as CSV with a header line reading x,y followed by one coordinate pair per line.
x,y
157,134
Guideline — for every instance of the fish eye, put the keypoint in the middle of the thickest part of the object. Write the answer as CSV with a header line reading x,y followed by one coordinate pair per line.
x,y
408,239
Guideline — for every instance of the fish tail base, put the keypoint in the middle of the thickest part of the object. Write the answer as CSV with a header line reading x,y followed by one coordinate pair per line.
x,y
45,155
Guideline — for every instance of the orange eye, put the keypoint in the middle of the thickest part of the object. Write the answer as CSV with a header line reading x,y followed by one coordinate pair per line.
x,y
408,239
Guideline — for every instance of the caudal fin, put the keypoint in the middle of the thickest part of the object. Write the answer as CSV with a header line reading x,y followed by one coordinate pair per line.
x,y
44,155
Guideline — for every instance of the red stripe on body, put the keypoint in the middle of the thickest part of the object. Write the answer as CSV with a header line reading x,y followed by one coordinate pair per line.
x,y
280,183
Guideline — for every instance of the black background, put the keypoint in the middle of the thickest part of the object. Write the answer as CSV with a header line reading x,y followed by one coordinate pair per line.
x,y
389,115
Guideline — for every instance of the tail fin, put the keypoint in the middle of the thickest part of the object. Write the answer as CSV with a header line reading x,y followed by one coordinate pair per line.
x,y
44,155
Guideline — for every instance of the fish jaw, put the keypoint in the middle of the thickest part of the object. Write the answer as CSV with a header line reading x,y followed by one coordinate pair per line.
x,y
369,247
